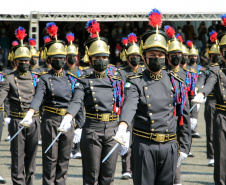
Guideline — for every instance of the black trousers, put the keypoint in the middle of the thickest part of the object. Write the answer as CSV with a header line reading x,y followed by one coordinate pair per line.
x,y
126,160
209,113
96,142
219,143
153,163
56,160
1,124
23,151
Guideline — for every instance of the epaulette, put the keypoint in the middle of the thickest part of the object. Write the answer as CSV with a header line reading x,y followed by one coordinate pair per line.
x,y
115,77
40,67
121,68
216,64
85,76
44,72
72,74
193,70
176,76
142,65
135,75
203,69
36,73
84,68
164,68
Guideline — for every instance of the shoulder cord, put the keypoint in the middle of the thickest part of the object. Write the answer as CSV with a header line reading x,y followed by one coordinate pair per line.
x,y
1,77
73,82
35,79
79,73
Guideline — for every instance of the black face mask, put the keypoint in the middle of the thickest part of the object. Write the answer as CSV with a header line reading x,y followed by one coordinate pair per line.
x,y
155,64
57,64
23,67
134,61
33,62
216,59
184,60
100,65
71,60
175,60
193,60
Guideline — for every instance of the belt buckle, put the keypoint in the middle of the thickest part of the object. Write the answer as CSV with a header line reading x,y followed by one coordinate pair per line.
x,y
105,117
160,138
61,112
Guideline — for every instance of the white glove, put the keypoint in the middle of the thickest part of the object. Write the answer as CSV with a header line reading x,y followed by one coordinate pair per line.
x,y
193,122
182,157
77,136
7,121
27,121
124,149
65,124
120,135
199,98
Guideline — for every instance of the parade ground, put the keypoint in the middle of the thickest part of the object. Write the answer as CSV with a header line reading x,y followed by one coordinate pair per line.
x,y
194,170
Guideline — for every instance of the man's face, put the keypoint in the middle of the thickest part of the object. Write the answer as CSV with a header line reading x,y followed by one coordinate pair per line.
x,y
154,54
133,56
176,53
73,56
22,61
185,56
57,58
192,56
99,58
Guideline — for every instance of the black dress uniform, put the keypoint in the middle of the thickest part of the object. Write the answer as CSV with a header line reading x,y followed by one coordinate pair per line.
x,y
19,87
150,100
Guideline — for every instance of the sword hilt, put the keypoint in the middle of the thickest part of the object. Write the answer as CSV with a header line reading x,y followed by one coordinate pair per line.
x,y
119,141
61,130
25,124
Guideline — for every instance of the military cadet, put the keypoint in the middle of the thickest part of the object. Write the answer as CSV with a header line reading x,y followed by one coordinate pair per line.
x,y
216,82
151,99
197,75
34,56
133,57
102,94
72,67
19,86
185,51
55,91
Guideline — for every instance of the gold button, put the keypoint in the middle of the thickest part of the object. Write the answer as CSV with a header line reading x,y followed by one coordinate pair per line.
x,y
15,78
52,94
22,109
68,105
113,99
18,90
54,102
166,130
93,92
150,114
222,77
220,71
152,121
50,80
31,97
97,110
94,99
171,96
52,89
91,87
32,83
146,88
169,105
112,105
167,122
51,84
31,90
91,81
223,96
96,105
222,84
149,105
222,89
152,130
17,84
147,96
172,88
19,97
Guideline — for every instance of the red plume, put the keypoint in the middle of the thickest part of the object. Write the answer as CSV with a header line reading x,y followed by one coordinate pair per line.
x,y
32,42
124,41
93,28
189,43
132,38
169,31
155,18
223,19
15,43
179,37
70,37
20,33
51,29
47,39
213,36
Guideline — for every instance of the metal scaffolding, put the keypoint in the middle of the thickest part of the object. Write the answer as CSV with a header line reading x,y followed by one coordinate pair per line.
x,y
35,17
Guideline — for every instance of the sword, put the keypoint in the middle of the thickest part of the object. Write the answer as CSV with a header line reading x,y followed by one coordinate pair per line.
x,y
61,131
193,107
112,150
23,125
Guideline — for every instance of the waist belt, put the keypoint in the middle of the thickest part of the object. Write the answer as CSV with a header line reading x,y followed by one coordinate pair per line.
x,y
1,108
22,114
220,107
154,136
58,111
102,117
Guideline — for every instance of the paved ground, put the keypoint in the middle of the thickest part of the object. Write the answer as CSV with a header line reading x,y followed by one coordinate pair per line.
x,y
194,170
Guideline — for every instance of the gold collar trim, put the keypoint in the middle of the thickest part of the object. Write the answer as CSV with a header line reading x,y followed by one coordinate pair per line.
x,y
71,68
176,69
22,73
100,75
58,74
156,77
33,67
134,70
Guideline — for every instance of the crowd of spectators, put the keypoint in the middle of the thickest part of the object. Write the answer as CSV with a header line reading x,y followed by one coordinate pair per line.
x,y
113,31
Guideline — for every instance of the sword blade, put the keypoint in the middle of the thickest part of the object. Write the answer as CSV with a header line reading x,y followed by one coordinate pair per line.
x,y
16,134
193,107
112,150
53,142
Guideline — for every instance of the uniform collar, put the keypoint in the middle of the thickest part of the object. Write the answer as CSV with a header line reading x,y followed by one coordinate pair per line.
x,y
134,70
22,73
100,75
155,77
58,74
175,69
